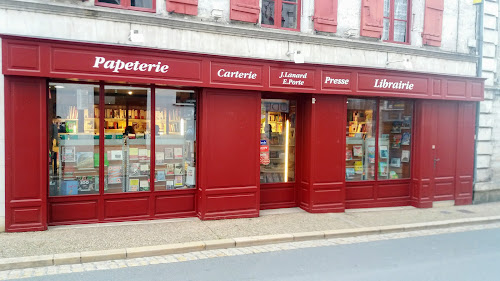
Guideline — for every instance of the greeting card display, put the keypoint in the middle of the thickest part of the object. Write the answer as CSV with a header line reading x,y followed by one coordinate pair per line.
x,y
348,154
405,139
357,150
405,156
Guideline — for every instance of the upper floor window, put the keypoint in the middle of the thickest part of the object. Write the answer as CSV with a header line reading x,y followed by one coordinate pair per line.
x,y
396,15
281,14
140,5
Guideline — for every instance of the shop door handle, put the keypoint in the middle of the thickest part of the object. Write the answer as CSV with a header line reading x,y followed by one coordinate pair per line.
x,y
435,161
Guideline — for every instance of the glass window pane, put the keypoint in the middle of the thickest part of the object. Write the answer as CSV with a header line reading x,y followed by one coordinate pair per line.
x,y
110,1
395,139
73,111
385,32
387,8
360,139
277,140
142,3
289,15
267,12
400,9
127,139
399,31
175,139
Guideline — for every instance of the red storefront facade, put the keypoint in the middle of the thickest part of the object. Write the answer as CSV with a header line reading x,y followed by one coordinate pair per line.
x,y
229,93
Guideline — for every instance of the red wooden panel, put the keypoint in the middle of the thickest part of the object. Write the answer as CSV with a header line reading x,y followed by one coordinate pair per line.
x,y
73,211
477,90
446,150
326,137
372,14
22,56
393,191
188,7
341,81
456,89
436,87
128,207
433,22
229,154
22,216
278,194
362,192
175,204
231,73
465,153
25,154
245,10
291,77
325,15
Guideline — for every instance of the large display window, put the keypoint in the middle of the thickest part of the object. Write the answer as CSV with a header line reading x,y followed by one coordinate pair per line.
x,y
386,157
73,127
277,140
133,161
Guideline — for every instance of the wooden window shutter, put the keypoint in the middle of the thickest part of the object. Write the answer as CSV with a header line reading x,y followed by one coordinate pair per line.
x,y
433,22
188,7
245,10
372,18
325,15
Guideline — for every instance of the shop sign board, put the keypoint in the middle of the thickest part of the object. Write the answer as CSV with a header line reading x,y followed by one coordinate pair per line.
x,y
386,83
236,73
336,80
295,78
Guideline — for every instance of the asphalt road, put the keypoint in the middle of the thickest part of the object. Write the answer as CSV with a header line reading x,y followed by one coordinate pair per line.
x,y
473,255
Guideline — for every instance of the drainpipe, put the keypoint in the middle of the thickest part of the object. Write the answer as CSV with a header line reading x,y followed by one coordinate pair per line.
x,y
479,72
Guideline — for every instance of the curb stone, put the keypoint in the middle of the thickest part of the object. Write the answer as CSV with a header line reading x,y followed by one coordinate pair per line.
x,y
180,248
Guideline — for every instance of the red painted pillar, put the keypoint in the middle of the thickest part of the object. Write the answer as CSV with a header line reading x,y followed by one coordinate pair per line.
x,y
229,184
322,188
26,154
465,153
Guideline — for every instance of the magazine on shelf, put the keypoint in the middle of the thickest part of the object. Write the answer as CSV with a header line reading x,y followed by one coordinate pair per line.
x,y
178,169
396,127
348,154
160,156
384,153
395,162
405,139
134,153
178,153
382,168
170,184
133,185
405,156
160,175
169,153
68,154
170,169
134,169
178,181
349,173
114,174
143,185
358,167
371,154
144,169
116,155
357,150
396,141
85,160
406,122
393,175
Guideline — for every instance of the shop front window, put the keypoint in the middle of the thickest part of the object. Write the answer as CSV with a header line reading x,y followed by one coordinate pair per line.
x,y
360,139
277,140
127,139
73,133
175,139
395,139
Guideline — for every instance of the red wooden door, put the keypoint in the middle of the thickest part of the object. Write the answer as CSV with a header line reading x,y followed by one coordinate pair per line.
x,y
445,150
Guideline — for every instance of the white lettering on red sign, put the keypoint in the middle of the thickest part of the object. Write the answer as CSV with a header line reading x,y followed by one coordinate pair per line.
x,y
117,65
330,80
292,78
384,84
236,74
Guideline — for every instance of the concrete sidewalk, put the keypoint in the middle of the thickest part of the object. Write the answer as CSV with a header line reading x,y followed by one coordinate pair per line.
x,y
87,243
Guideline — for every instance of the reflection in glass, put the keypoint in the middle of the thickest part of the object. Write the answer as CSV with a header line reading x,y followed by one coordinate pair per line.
x,y
289,15
277,141
401,9
268,12
385,32
387,8
127,139
142,3
175,139
360,139
399,31
73,131
395,139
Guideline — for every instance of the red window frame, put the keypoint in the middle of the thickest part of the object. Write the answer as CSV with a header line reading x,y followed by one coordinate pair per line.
x,y
278,6
126,4
392,20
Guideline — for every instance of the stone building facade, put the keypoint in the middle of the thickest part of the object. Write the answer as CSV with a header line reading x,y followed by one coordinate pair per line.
x,y
212,29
